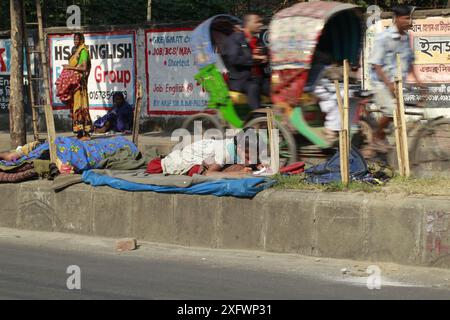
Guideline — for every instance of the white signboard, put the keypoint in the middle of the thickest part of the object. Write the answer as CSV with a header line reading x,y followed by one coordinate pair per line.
x,y
113,66
170,70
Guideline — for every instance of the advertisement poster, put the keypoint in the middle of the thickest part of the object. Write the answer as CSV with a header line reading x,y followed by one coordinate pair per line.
x,y
431,45
170,72
5,55
113,66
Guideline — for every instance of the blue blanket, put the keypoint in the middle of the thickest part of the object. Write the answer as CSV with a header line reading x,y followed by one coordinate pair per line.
x,y
85,155
242,188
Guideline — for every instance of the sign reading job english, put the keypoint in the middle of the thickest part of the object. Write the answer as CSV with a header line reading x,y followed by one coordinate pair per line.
x,y
113,66
5,55
171,87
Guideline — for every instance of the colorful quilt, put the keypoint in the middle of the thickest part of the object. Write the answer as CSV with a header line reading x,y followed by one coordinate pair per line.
x,y
85,155
81,155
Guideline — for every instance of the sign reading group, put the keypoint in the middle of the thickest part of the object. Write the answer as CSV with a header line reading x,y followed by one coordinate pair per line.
x,y
171,87
113,66
5,54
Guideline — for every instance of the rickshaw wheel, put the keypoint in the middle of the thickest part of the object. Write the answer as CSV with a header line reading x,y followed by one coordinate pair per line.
x,y
208,122
288,147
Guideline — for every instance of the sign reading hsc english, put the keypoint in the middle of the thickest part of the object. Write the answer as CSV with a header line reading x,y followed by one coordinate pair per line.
x,y
113,65
170,71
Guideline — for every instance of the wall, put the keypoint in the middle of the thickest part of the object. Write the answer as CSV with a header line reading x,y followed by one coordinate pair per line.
x,y
165,68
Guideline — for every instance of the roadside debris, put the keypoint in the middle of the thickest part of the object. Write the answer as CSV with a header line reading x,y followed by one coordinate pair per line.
x,y
126,244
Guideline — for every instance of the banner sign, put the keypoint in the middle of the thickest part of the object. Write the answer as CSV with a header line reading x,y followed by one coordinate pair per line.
x,y
5,67
170,71
430,41
431,46
113,66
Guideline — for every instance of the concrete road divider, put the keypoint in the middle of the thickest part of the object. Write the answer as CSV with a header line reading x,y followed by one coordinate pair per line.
x,y
360,226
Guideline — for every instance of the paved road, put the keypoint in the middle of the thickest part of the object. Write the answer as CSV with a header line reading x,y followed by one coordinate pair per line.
x,y
34,267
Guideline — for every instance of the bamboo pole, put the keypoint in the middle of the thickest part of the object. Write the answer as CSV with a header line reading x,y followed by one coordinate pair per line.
x,y
346,100
137,114
398,140
274,143
50,121
402,120
344,141
343,151
31,96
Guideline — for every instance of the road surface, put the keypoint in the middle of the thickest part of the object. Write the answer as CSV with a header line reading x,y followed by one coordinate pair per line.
x,y
33,265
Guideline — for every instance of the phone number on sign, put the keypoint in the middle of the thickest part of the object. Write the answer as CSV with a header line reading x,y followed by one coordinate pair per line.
x,y
104,94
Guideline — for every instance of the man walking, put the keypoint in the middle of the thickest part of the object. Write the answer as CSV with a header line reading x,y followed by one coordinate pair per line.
x,y
383,67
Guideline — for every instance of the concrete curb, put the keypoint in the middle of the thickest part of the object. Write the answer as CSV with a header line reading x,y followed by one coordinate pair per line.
x,y
374,227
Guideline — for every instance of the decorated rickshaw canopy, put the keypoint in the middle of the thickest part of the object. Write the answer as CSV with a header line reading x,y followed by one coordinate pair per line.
x,y
299,32
209,36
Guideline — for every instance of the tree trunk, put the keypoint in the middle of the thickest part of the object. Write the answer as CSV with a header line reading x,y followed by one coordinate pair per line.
x,y
16,99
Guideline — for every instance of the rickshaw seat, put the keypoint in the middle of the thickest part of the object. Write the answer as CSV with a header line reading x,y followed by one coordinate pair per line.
x,y
240,98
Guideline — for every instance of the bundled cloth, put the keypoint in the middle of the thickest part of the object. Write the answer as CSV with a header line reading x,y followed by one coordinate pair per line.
x,y
330,171
19,174
67,83
294,168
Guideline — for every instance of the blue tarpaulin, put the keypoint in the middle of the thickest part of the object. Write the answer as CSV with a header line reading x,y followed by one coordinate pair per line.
x,y
242,188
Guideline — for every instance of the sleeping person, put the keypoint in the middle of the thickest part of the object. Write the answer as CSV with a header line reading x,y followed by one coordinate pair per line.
x,y
236,156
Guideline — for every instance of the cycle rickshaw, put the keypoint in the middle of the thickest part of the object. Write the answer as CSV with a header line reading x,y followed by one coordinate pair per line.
x,y
299,37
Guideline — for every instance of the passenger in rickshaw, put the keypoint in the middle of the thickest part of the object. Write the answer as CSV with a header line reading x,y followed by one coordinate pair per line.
x,y
246,57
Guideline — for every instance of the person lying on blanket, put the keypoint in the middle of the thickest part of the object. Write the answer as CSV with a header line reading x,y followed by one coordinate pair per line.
x,y
233,157
73,155
19,152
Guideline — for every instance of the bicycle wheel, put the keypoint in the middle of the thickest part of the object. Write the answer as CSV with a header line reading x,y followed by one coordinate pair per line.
x,y
288,148
430,148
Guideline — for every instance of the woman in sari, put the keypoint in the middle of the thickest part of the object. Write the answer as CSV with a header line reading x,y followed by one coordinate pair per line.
x,y
80,62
